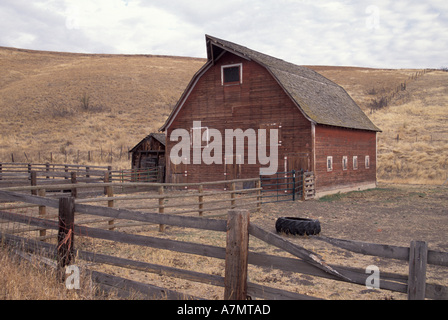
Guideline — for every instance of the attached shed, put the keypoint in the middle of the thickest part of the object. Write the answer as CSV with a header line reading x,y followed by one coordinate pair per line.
x,y
320,128
150,152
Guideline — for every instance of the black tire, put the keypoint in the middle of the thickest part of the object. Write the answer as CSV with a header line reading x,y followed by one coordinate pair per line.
x,y
298,226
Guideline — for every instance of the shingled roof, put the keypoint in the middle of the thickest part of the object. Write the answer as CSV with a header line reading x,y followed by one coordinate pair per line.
x,y
319,99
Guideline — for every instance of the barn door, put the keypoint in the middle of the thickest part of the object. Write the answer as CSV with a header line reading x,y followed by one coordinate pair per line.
x,y
180,172
297,161
232,168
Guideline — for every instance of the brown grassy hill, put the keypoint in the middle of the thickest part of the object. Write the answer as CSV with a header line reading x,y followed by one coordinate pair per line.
x,y
61,105
124,99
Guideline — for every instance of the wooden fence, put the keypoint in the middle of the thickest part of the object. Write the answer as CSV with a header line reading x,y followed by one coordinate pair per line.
x,y
236,254
20,174
48,173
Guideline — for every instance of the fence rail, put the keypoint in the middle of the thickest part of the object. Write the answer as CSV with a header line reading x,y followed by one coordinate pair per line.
x,y
19,174
202,198
237,257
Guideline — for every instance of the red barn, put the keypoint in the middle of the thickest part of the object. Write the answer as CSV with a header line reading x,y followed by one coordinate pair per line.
x,y
318,125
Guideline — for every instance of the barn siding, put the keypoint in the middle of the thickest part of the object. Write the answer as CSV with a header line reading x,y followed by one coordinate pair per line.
x,y
258,102
339,142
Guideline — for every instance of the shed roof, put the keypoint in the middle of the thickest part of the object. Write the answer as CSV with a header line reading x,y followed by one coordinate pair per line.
x,y
161,137
319,99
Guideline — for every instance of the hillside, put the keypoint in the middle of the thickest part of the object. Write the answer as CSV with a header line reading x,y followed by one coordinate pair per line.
x,y
61,105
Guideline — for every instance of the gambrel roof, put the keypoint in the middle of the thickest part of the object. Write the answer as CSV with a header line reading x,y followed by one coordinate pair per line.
x,y
320,100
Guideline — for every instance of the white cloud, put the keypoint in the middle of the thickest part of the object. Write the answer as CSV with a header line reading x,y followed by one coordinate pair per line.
x,y
336,32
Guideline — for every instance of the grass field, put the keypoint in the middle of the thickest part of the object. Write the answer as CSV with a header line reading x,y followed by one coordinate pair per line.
x,y
60,106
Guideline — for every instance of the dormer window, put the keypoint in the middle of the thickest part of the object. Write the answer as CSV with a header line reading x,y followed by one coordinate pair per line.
x,y
232,74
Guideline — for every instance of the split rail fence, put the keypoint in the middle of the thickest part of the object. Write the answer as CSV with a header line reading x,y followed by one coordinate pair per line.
x,y
236,253
205,198
19,174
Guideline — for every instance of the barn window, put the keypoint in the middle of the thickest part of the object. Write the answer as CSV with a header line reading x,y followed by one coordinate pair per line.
x,y
329,163
367,162
344,162
355,162
232,74
200,137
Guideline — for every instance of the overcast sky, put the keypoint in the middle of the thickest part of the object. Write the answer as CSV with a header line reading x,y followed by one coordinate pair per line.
x,y
382,34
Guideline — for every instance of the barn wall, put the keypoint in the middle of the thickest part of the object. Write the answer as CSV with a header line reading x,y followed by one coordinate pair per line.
x,y
340,142
259,102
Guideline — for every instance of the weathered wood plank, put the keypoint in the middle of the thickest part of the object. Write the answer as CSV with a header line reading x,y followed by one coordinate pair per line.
x,y
158,243
188,222
306,255
235,286
147,290
373,249
152,268
418,258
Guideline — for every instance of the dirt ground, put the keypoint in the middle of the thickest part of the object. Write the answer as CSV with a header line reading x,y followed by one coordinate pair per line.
x,y
390,214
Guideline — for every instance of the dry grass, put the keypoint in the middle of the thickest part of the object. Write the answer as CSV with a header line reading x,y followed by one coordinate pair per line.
x,y
41,108
32,280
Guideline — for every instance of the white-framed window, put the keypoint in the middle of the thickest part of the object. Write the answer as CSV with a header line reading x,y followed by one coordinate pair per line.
x,y
344,163
355,162
329,163
199,137
367,162
232,74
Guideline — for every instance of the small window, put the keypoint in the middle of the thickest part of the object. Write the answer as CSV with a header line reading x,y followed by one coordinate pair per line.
x,y
200,137
231,74
329,163
344,162
367,162
355,162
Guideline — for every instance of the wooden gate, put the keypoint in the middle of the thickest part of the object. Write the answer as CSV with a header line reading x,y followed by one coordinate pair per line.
x,y
288,186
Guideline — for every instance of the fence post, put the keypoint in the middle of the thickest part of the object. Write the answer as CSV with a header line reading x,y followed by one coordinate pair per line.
x,y
109,192
65,235
418,258
47,169
293,185
33,178
73,181
42,211
161,207
258,186
201,200
232,195
303,175
237,247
